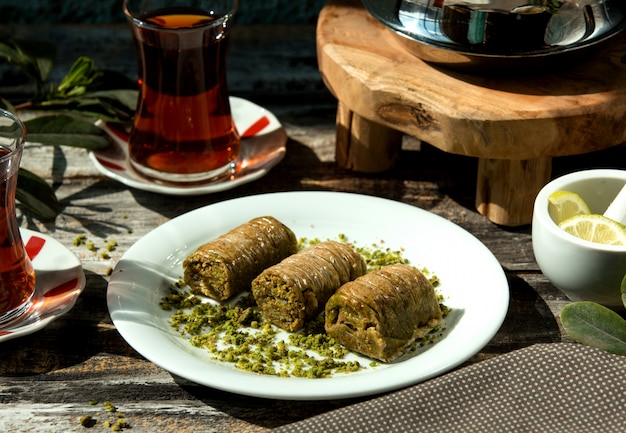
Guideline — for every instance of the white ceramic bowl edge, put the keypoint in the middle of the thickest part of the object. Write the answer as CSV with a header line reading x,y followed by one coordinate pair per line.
x,y
582,270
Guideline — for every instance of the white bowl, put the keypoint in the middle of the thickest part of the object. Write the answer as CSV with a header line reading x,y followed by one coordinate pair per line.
x,y
583,270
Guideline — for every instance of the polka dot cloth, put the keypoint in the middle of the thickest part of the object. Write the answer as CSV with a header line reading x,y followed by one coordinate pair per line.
x,y
552,388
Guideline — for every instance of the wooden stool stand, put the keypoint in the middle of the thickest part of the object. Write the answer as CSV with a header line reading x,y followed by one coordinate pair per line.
x,y
513,125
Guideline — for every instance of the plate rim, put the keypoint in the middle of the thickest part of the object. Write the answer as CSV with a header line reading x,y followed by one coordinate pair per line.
x,y
267,386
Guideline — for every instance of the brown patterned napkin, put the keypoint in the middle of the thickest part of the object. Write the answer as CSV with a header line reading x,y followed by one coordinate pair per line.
x,y
554,388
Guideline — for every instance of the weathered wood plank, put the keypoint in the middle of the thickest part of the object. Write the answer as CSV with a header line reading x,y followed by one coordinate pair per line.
x,y
47,379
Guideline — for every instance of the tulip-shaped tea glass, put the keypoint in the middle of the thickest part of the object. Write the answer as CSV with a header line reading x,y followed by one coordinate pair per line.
x,y
17,276
183,129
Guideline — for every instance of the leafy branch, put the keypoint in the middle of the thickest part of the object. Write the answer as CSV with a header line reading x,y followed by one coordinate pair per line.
x,y
84,94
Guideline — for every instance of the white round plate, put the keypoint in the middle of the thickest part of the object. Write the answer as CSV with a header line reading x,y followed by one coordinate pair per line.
x,y
263,142
59,281
473,284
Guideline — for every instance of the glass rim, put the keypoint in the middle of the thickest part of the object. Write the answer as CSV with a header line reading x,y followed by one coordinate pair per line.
x,y
20,134
134,18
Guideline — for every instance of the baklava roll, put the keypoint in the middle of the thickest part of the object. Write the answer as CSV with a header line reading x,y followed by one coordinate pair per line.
x,y
225,266
383,312
297,288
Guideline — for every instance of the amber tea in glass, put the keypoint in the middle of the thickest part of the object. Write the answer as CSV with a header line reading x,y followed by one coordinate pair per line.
x,y
17,276
183,129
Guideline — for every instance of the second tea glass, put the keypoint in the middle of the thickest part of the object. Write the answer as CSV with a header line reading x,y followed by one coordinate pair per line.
x,y
17,275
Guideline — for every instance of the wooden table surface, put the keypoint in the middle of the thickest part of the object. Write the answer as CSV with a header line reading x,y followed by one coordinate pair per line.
x,y
49,378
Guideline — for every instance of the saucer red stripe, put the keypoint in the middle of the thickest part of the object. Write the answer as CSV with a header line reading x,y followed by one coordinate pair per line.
x,y
256,127
34,246
110,165
62,288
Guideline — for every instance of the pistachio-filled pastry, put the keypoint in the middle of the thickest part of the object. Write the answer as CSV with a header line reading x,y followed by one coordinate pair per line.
x,y
382,312
225,266
297,288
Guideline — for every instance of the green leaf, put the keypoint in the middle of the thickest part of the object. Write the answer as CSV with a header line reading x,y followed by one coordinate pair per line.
x,y
127,98
624,290
595,325
6,105
82,76
89,142
13,56
64,130
551,6
61,123
40,54
36,195
107,105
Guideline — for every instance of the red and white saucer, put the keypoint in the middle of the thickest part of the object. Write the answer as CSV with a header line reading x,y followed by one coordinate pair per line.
x,y
59,281
263,141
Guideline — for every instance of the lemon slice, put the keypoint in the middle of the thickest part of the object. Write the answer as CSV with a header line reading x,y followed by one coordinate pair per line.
x,y
595,228
564,204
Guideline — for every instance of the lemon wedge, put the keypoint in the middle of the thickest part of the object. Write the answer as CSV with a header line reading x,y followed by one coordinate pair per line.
x,y
595,228
564,204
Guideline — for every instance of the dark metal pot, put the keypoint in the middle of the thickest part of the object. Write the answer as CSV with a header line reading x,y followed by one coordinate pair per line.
x,y
500,35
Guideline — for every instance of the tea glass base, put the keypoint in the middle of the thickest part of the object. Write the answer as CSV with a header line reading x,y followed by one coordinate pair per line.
x,y
183,178
14,315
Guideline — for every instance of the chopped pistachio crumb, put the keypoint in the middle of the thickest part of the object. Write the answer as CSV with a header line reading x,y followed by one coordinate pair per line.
x,y
237,333
116,421
87,421
103,253
120,425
